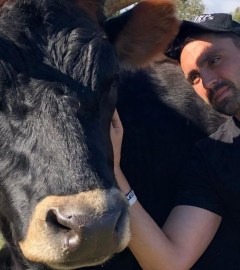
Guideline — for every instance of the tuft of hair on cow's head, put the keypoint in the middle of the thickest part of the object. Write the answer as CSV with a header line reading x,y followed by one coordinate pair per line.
x,y
60,206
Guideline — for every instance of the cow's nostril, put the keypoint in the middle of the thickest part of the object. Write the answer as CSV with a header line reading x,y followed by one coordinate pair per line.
x,y
53,220
59,223
60,220
79,231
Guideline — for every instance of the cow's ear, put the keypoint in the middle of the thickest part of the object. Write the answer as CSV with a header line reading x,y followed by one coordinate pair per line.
x,y
141,34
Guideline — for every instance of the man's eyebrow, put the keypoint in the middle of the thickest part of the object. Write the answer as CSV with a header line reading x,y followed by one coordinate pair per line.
x,y
206,54
204,57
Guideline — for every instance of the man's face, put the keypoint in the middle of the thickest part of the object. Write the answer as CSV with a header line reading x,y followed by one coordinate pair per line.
x,y
212,65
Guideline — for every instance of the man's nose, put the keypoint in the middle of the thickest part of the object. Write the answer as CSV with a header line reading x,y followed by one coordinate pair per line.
x,y
209,79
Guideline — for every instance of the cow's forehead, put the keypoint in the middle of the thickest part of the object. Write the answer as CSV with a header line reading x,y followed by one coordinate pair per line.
x,y
92,7
52,35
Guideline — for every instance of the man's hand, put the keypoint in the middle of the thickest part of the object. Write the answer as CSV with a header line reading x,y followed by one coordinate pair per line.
x,y
116,134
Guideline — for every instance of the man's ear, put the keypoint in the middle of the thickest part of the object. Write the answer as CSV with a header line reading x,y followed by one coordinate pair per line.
x,y
142,34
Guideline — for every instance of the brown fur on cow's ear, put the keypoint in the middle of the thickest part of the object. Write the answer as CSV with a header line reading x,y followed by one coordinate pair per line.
x,y
2,2
151,28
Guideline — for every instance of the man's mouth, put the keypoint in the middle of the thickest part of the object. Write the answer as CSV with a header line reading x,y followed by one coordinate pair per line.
x,y
221,94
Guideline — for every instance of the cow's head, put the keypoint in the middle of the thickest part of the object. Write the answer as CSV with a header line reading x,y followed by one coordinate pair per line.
x,y
60,206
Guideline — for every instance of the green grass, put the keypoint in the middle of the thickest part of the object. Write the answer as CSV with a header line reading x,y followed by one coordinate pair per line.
x,y
1,241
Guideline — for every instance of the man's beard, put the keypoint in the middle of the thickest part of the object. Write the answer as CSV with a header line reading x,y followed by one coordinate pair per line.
x,y
229,105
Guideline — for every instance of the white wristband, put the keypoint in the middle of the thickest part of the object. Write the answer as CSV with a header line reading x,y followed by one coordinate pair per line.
x,y
131,197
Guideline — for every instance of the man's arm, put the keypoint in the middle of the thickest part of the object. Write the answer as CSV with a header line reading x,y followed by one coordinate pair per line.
x,y
184,237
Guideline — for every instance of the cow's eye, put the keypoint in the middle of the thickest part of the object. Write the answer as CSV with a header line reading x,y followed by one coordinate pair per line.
x,y
113,82
115,78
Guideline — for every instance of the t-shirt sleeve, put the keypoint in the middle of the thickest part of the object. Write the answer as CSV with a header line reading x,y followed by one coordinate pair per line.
x,y
196,185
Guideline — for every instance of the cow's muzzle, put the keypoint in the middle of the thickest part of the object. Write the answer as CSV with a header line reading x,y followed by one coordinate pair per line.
x,y
68,232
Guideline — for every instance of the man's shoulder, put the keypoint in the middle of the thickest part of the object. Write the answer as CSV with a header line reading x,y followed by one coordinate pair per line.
x,y
226,133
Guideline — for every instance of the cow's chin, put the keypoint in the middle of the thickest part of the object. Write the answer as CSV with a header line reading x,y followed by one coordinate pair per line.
x,y
69,232
69,265
77,259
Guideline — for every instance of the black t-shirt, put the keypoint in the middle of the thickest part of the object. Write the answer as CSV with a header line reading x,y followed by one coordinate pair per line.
x,y
211,180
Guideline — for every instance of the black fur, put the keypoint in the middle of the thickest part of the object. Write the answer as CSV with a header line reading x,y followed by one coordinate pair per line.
x,y
56,103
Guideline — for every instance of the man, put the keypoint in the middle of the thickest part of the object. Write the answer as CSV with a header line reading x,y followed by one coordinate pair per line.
x,y
209,53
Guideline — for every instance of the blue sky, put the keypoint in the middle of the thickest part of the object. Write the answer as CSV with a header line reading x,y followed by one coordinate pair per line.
x,y
227,6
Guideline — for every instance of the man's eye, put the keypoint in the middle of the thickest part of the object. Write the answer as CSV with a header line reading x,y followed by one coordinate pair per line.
x,y
194,78
214,60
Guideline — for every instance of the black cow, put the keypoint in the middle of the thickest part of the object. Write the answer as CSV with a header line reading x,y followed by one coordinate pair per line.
x,y
60,207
